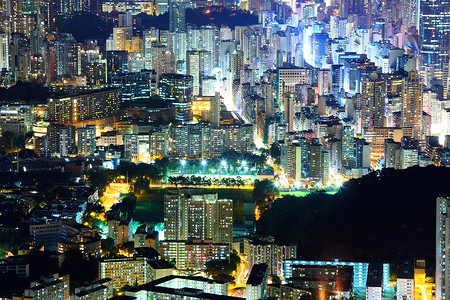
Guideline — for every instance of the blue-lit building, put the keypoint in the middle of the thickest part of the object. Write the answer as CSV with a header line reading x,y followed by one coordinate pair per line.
x,y
136,85
178,89
360,270
116,62
319,45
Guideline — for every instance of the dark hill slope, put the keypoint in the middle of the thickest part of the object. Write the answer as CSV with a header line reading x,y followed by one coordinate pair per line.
x,y
381,216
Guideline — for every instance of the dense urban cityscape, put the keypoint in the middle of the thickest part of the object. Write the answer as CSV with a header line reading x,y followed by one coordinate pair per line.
x,y
203,149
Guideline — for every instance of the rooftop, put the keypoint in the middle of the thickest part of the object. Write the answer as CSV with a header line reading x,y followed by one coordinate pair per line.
x,y
257,275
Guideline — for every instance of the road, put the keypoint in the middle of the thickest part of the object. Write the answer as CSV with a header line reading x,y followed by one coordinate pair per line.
x,y
426,291
238,289
112,193
241,279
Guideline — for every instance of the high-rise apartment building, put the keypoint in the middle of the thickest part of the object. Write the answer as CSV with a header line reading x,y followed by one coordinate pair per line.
x,y
199,217
162,60
182,288
319,162
177,11
412,110
136,147
293,159
51,287
405,280
270,253
86,140
120,36
100,289
128,270
178,88
434,32
4,51
84,106
198,65
442,247
215,110
194,253
61,140
287,78
288,100
373,102
348,148
116,63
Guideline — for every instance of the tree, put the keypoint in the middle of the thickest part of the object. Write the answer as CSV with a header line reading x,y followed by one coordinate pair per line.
x,y
80,268
224,278
275,279
275,151
109,247
235,259
263,190
128,247
126,206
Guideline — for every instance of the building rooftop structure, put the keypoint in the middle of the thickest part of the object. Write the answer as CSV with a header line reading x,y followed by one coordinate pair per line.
x,y
182,286
257,275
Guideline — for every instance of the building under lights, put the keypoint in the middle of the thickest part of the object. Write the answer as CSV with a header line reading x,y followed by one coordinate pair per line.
x,y
434,32
181,288
198,217
68,110
442,246
193,253
145,265
360,271
178,89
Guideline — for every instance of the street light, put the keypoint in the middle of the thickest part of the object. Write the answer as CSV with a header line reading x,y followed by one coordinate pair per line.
x,y
244,165
183,163
224,164
203,164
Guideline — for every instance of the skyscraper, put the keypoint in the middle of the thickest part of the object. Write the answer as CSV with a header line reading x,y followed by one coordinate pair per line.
x,y
178,88
434,31
442,246
177,15
411,116
121,35
4,52
348,147
198,65
288,100
86,140
215,110
198,217
373,102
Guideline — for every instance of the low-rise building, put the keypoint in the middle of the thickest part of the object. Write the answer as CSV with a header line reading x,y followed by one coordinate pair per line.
x,y
405,280
268,252
181,288
257,282
87,242
285,292
194,253
97,290
50,288
374,287
50,234
146,265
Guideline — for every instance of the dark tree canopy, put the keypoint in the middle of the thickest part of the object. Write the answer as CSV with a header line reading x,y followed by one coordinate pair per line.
x,y
25,93
382,216
203,16
84,26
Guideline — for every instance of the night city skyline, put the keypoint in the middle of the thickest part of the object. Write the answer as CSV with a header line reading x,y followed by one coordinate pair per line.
x,y
204,149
